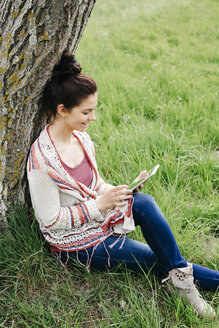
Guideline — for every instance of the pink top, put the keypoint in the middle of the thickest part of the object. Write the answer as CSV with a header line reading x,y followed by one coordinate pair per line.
x,y
82,172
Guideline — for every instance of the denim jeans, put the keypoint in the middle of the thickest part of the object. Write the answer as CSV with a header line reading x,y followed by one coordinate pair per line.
x,y
159,255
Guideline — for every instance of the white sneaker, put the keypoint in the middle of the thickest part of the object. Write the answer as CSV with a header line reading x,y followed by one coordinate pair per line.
x,y
182,280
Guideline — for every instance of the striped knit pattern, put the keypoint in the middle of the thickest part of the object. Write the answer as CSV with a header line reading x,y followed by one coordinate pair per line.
x,y
75,223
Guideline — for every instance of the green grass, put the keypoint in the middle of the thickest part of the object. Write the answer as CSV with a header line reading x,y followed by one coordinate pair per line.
x,y
156,66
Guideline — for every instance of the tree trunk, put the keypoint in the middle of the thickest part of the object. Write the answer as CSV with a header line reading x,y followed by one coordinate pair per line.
x,y
33,35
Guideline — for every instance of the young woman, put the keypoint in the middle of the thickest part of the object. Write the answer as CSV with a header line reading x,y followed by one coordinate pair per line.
x,y
82,217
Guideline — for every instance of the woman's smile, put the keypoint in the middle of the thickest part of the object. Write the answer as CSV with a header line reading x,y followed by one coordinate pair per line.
x,y
81,116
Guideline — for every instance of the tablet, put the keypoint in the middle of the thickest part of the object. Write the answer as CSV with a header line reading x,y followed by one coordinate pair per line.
x,y
136,184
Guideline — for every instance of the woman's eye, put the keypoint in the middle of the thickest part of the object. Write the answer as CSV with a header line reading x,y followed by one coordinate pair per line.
x,y
86,113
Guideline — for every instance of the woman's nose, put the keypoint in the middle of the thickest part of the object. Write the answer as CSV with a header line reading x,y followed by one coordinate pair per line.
x,y
92,116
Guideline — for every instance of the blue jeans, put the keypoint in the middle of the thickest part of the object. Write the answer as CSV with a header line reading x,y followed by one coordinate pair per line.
x,y
159,255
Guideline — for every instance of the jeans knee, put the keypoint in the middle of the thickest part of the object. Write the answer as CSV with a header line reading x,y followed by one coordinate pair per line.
x,y
143,201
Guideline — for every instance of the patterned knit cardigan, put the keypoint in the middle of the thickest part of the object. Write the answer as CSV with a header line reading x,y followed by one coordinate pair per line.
x,y
65,208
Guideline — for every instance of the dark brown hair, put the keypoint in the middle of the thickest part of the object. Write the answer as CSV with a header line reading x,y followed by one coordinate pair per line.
x,y
67,86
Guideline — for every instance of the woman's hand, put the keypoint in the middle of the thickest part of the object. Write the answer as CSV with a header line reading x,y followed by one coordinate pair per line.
x,y
113,197
142,175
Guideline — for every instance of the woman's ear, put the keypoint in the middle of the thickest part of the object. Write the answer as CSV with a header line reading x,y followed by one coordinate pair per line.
x,y
61,110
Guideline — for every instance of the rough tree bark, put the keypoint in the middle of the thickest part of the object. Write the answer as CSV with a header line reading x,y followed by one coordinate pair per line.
x,y
33,34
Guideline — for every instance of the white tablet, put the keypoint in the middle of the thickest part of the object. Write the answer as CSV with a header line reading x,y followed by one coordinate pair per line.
x,y
136,184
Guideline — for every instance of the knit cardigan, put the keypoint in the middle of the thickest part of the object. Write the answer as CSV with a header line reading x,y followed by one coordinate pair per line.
x,y
65,208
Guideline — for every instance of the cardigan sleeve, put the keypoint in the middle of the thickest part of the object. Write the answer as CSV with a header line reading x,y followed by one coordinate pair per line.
x,y
101,186
45,199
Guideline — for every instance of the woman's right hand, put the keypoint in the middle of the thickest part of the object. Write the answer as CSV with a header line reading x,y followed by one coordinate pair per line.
x,y
115,196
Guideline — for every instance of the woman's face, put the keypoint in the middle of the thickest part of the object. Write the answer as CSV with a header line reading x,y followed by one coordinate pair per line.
x,y
80,116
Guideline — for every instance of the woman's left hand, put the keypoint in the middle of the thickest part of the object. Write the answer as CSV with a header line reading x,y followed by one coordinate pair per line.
x,y
142,175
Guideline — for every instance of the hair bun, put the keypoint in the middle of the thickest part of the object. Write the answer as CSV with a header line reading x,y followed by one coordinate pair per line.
x,y
67,66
